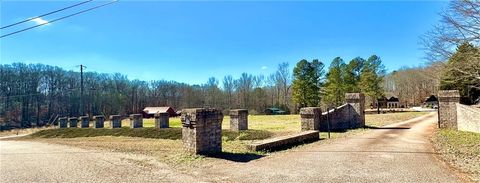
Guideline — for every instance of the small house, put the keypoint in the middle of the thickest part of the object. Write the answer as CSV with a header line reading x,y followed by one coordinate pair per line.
x,y
393,102
431,101
149,112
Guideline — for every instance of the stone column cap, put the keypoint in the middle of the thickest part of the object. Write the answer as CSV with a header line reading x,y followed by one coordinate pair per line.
x,y
114,116
354,96
309,110
99,116
135,115
448,93
238,111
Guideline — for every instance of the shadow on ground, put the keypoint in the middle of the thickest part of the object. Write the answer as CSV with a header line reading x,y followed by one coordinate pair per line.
x,y
388,128
237,157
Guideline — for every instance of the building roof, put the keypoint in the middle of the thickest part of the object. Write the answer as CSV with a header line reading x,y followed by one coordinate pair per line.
x,y
393,99
432,98
154,110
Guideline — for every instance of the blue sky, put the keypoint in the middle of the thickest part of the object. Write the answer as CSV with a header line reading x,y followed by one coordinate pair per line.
x,y
192,41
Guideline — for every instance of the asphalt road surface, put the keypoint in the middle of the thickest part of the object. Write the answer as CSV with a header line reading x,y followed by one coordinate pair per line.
x,y
399,153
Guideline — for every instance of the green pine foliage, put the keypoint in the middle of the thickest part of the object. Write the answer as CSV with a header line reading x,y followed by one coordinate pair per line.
x,y
307,82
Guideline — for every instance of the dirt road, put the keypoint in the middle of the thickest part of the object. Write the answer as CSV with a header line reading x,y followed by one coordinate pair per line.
x,y
398,153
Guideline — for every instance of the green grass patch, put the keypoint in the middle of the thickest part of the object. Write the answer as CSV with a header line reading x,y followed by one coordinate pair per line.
x,y
147,132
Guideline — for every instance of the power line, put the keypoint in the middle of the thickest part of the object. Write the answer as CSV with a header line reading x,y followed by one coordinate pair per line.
x,y
49,13
83,11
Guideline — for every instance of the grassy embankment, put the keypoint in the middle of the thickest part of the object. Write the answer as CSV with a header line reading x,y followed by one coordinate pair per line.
x,y
461,149
166,143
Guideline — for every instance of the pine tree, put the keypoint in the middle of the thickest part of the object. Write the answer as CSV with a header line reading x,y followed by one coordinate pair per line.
x,y
335,85
307,83
371,77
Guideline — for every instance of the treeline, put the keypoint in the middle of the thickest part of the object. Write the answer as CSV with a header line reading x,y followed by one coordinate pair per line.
x,y
38,93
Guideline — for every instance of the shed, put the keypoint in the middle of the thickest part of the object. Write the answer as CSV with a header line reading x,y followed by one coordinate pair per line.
x,y
431,101
274,111
149,112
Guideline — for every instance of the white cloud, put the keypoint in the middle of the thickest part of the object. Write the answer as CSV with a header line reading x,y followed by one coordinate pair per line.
x,y
264,67
39,21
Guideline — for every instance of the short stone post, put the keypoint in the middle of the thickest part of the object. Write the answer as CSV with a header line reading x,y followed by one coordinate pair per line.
x,y
115,121
99,121
84,121
447,108
162,120
238,119
62,122
310,118
136,121
73,122
202,130
357,101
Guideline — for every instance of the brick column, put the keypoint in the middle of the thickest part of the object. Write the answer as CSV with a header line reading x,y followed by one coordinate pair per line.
x,y
99,121
162,120
202,130
447,108
136,121
62,122
238,119
357,114
310,118
115,121
73,122
84,121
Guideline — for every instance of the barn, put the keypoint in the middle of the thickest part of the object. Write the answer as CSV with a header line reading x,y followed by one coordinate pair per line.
x,y
149,112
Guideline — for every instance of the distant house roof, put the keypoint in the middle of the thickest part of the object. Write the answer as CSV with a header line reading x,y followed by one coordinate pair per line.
x,y
432,98
274,109
154,110
393,99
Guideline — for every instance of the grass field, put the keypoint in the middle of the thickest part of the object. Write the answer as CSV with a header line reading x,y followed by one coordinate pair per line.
x,y
462,149
165,144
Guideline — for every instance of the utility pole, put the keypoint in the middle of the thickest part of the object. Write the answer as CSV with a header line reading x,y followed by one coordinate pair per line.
x,y
82,103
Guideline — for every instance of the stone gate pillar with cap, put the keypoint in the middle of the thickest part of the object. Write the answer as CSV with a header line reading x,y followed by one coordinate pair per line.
x,y
202,130
162,120
136,121
238,119
447,108
115,121
310,118
84,121
357,102
73,122
99,121
62,122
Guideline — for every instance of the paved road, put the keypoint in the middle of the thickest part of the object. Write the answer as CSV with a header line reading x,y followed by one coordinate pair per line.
x,y
401,153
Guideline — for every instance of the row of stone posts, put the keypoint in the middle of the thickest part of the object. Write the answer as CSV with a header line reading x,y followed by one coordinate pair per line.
x,y
136,121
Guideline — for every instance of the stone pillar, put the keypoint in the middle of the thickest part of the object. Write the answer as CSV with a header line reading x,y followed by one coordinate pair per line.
x,y
202,130
62,122
99,121
84,121
115,121
357,101
73,122
310,118
162,120
238,119
447,108
136,121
